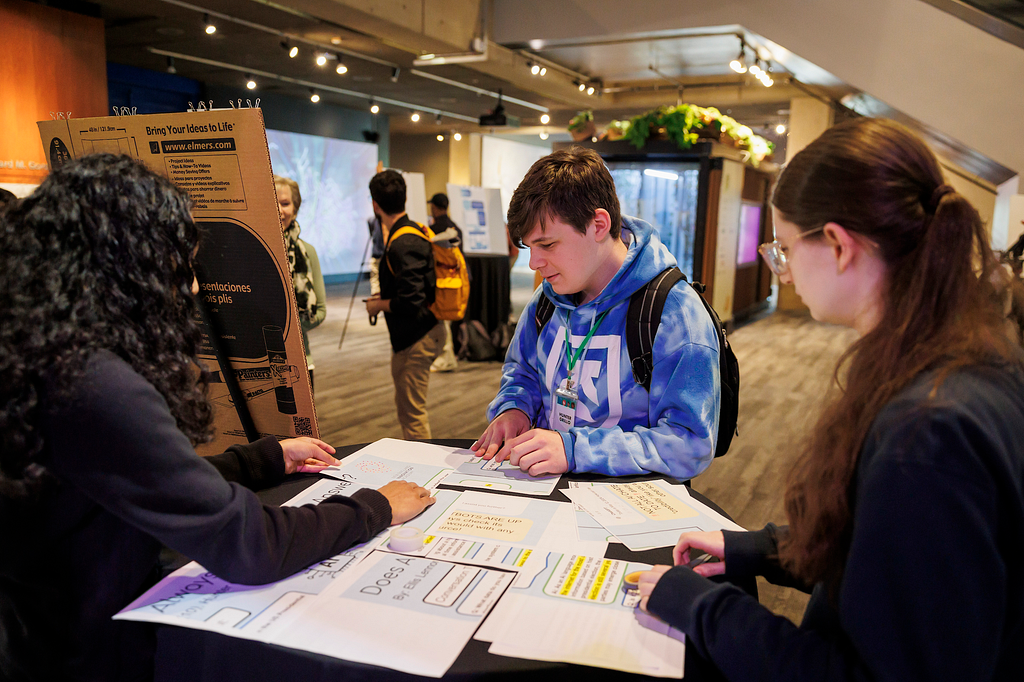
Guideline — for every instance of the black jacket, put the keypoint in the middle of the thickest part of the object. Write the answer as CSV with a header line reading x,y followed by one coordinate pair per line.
x,y
933,587
128,480
407,279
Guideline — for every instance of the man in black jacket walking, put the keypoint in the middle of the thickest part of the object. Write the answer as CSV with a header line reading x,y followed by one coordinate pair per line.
x,y
407,283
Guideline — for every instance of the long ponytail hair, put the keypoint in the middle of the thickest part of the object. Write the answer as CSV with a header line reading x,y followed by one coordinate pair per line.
x,y
877,179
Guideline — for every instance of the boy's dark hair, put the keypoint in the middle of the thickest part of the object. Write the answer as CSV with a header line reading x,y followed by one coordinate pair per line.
x,y
387,188
570,184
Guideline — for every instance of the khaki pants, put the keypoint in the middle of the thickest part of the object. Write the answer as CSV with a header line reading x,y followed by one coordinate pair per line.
x,y
410,370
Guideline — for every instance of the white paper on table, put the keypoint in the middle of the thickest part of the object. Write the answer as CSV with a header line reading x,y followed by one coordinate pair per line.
x,y
193,597
407,613
576,611
497,531
587,529
476,472
647,514
515,521
390,460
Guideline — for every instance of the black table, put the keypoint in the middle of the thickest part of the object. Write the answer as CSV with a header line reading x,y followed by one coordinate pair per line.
x,y
184,654
490,298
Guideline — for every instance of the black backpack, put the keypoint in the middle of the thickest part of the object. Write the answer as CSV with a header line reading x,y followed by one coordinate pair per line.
x,y
642,321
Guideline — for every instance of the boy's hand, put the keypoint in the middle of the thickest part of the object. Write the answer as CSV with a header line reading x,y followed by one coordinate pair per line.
x,y
493,442
538,452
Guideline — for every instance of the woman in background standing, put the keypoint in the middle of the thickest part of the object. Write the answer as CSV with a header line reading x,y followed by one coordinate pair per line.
x,y
310,295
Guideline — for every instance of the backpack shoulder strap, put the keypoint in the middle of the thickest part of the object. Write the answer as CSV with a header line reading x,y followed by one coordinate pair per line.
x,y
642,321
545,309
405,229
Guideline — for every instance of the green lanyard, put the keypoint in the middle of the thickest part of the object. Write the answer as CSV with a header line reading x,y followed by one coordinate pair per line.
x,y
571,357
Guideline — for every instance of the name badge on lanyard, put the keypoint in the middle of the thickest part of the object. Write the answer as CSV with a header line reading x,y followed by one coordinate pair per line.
x,y
567,395
565,405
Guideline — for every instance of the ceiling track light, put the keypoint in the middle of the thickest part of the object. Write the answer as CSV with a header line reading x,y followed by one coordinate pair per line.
x,y
321,59
210,28
415,117
250,82
457,136
739,65
292,50
341,69
373,107
591,90
545,119
170,65
440,137
581,85
313,96
544,135
534,67
394,74
438,119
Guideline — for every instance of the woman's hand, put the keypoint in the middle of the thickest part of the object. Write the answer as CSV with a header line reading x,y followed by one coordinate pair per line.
x,y
407,500
648,581
307,455
711,542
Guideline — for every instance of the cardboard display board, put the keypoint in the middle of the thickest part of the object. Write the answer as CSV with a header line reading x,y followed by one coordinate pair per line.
x,y
220,158
477,210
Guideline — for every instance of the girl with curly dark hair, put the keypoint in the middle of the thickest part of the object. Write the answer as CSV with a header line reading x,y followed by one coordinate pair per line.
x,y
102,401
906,506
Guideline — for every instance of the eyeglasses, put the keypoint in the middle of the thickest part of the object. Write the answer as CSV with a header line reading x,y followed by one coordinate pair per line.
x,y
775,256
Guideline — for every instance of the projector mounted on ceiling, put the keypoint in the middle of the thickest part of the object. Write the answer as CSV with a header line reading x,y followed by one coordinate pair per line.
x,y
498,117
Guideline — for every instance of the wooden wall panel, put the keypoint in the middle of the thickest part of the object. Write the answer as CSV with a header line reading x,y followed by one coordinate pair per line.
x,y
50,60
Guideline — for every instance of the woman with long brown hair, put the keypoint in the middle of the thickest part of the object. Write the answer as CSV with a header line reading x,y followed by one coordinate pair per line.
x,y
906,506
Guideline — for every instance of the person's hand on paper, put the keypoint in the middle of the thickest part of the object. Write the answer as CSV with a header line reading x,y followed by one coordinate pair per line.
x,y
493,442
538,452
712,542
307,455
648,580
407,500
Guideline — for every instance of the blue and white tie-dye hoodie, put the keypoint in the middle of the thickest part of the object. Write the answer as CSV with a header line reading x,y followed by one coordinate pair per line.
x,y
620,428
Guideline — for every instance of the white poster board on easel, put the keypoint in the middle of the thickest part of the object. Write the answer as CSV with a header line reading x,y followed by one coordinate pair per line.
x,y
416,197
478,211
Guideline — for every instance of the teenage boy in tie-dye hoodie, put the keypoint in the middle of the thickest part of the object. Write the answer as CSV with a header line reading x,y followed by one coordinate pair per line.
x,y
548,419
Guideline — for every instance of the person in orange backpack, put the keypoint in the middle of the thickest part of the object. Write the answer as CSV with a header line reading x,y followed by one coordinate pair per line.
x,y
407,290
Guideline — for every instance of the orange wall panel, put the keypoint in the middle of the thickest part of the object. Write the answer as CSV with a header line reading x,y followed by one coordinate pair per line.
x,y
50,61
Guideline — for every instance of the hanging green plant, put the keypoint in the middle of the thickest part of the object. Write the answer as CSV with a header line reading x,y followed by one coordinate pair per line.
x,y
616,130
686,124
581,120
